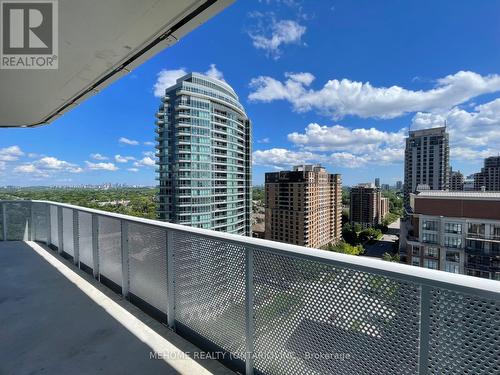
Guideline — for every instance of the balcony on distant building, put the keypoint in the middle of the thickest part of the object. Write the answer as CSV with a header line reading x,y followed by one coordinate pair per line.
x,y
264,307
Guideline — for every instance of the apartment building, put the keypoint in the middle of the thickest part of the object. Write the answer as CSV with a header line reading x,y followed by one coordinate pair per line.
x,y
427,161
367,206
204,153
489,177
303,206
455,231
456,180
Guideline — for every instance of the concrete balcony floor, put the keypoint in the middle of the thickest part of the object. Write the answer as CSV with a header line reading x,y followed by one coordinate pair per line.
x,y
56,319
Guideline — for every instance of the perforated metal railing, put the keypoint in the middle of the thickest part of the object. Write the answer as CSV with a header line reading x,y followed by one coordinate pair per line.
x,y
272,308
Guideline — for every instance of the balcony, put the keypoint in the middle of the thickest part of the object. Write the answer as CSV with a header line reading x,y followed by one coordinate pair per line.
x,y
482,236
269,307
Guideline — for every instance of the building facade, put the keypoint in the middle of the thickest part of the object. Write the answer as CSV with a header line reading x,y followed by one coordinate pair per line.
x,y
204,151
456,180
377,182
303,206
427,161
456,232
367,207
489,177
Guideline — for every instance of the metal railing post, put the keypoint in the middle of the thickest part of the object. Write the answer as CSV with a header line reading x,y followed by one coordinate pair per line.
x,y
170,280
95,245
76,243
60,248
4,220
249,316
124,241
49,225
423,355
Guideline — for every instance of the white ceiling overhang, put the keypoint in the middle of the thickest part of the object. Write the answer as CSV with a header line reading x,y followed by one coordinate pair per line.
x,y
99,41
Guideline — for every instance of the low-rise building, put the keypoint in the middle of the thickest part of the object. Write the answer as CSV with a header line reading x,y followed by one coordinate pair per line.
x,y
455,231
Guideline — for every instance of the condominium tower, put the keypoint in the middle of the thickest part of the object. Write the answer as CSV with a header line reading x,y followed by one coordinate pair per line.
x,y
303,206
489,177
427,161
204,167
367,206
456,180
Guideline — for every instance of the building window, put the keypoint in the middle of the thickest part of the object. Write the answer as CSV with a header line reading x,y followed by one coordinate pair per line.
x,y
495,231
454,242
415,261
431,263
452,267
453,228
476,230
429,238
430,225
431,252
475,245
453,256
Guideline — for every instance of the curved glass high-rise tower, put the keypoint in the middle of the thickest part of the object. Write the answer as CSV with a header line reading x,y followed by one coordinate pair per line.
x,y
204,156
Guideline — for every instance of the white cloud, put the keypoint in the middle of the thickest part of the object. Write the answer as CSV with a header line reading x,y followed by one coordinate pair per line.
x,y
339,98
51,163
123,159
280,157
145,162
47,166
165,79
338,137
101,166
3,165
133,169
213,72
347,160
350,148
25,168
270,34
127,141
98,157
473,134
151,154
11,153
149,143
264,140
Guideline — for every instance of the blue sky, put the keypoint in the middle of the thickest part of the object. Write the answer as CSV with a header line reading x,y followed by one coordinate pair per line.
x,y
336,82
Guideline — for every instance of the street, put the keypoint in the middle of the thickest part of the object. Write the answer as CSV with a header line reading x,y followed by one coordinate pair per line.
x,y
384,245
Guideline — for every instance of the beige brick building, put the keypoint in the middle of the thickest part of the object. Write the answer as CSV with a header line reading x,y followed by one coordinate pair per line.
x,y
303,206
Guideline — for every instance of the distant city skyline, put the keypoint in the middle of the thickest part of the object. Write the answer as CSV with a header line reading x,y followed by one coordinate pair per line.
x,y
318,88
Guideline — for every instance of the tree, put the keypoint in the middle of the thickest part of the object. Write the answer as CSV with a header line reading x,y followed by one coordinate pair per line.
x,y
349,234
369,234
391,258
345,248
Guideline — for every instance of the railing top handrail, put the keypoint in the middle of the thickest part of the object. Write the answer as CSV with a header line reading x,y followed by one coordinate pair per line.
x,y
404,272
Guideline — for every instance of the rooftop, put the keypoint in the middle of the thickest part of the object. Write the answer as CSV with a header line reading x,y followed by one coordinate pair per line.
x,y
446,194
